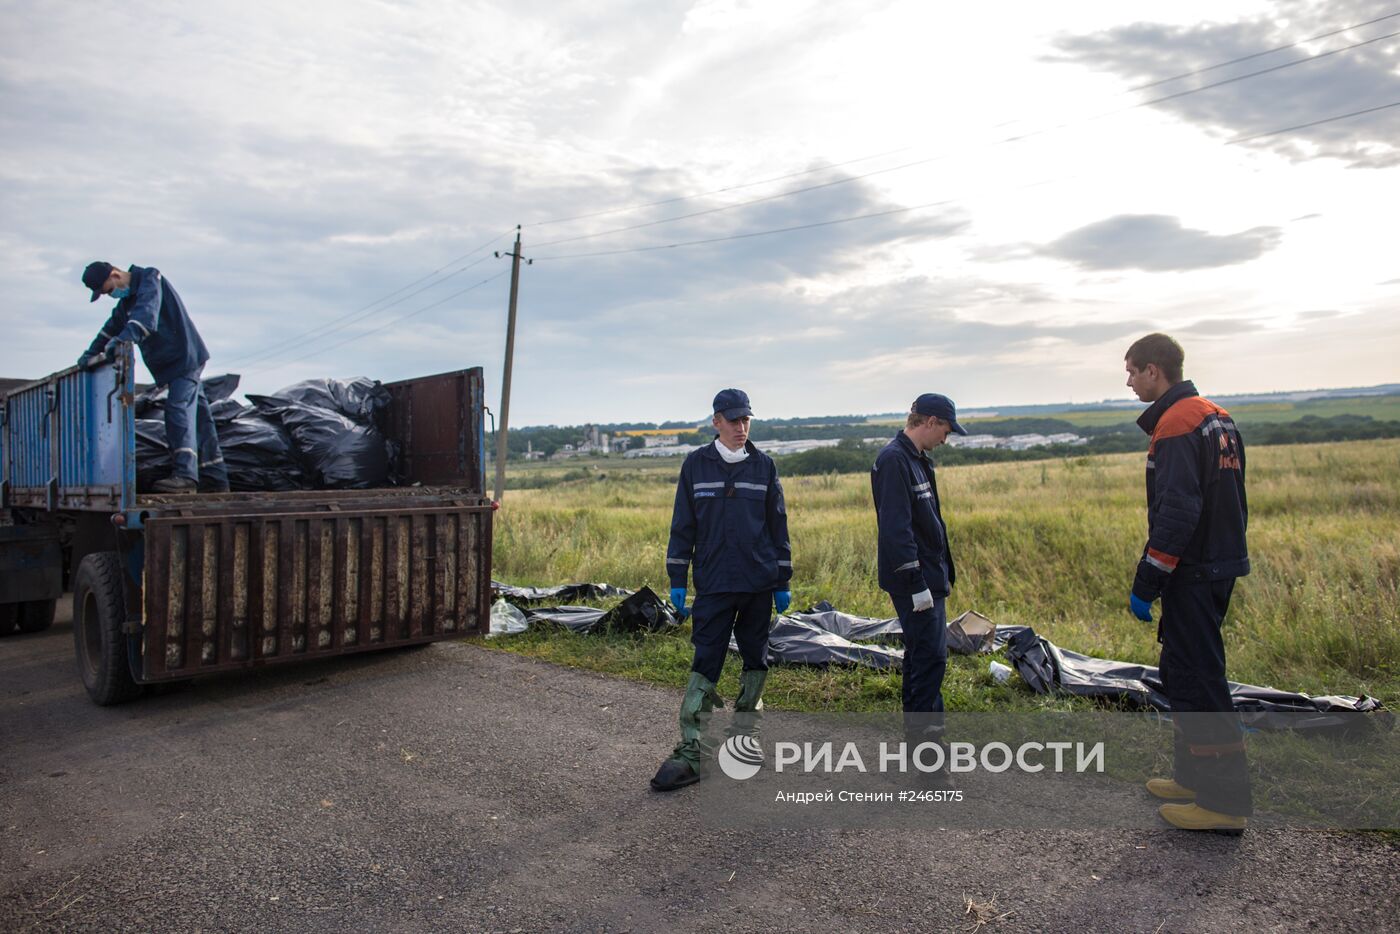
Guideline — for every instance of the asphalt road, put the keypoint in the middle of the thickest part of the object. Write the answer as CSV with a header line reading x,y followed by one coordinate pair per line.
x,y
460,789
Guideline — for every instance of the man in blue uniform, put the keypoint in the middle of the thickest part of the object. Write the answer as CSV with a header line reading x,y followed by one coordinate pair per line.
x,y
915,561
1196,518
149,313
730,522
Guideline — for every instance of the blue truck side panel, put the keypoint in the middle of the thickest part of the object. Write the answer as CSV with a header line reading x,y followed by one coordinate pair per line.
x,y
69,441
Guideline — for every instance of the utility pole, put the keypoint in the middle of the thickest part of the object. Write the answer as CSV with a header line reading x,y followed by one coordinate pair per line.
x,y
501,429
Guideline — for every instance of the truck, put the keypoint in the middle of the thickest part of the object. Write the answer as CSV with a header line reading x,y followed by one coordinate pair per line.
x,y
170,587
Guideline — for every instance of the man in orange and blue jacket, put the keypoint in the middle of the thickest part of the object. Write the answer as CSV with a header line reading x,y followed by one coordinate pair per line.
x,y
1196,519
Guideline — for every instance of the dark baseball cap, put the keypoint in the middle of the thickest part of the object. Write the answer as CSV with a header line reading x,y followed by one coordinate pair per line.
x,y
931,403
95,276
732,403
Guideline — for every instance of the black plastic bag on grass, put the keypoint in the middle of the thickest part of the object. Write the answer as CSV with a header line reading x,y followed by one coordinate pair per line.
x,y
644,611
523,596
1048,668
826,617
793,640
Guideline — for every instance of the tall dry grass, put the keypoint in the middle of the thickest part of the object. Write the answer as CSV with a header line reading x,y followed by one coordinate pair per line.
x,y
1052,544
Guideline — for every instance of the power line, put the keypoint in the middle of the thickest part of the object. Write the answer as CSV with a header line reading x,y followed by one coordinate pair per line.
x,y
1304,126
342,320
386,325
1204,87
1246,58
352,318
916,207
1016,138
1265,71
1010,139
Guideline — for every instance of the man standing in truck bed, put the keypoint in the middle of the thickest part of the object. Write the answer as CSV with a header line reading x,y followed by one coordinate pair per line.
x,y
149,313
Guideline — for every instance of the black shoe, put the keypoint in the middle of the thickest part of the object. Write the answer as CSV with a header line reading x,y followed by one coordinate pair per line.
x,y
673,774
175,485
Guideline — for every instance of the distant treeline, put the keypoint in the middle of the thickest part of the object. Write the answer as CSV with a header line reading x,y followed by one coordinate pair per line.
x,y
851,456
1102,439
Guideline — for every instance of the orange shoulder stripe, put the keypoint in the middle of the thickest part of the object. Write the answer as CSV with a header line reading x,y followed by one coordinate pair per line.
x,y
1185,417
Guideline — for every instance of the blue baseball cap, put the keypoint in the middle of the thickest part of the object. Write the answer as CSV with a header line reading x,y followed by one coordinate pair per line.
x,y
931,403
95,276
732,404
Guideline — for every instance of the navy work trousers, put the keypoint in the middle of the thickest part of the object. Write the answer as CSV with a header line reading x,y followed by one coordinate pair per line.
x,y
717,616
925,653
1208,755
190,433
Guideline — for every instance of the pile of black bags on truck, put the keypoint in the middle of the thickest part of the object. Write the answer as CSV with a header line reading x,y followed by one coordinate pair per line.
x,y
319,434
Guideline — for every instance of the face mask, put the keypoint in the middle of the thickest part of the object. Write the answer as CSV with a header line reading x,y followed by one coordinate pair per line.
x,y
121,293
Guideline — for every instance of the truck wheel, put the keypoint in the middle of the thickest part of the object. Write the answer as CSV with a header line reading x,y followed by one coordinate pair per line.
x,y
98,640
36,615
9,615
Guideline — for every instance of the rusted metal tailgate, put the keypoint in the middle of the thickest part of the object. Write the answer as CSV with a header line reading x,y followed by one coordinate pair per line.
x,y
224,590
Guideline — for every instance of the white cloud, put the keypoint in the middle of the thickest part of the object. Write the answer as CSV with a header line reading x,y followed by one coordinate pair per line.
x,y
285,166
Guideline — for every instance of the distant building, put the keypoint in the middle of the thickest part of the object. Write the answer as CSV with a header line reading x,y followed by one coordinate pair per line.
x,y
661,441
674,450
1015,442
795,447
973,441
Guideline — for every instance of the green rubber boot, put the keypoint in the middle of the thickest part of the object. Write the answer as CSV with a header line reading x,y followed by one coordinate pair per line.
x,y
683,766
748,709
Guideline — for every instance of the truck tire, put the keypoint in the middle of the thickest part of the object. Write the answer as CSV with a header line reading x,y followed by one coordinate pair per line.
x,y
36,615
98,641
9,615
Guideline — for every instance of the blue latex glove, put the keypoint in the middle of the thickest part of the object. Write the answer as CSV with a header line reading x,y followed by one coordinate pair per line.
x,y
110,351
781,600
1140,607
87,360
678,598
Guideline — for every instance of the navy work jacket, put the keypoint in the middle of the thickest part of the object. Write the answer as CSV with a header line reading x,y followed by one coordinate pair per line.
x,y
154,318
1196,506
913,544
731,522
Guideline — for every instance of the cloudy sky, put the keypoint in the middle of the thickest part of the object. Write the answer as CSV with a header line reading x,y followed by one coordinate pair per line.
x,y
1017,195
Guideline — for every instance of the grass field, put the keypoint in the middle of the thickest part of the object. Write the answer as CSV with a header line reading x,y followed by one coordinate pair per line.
x,y
1052,544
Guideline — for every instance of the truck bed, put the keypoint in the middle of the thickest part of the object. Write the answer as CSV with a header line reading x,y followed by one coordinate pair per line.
x,y
212,582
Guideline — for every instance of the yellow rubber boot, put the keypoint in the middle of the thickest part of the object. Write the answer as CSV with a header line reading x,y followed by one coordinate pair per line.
x,y
1195,817
1168,790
